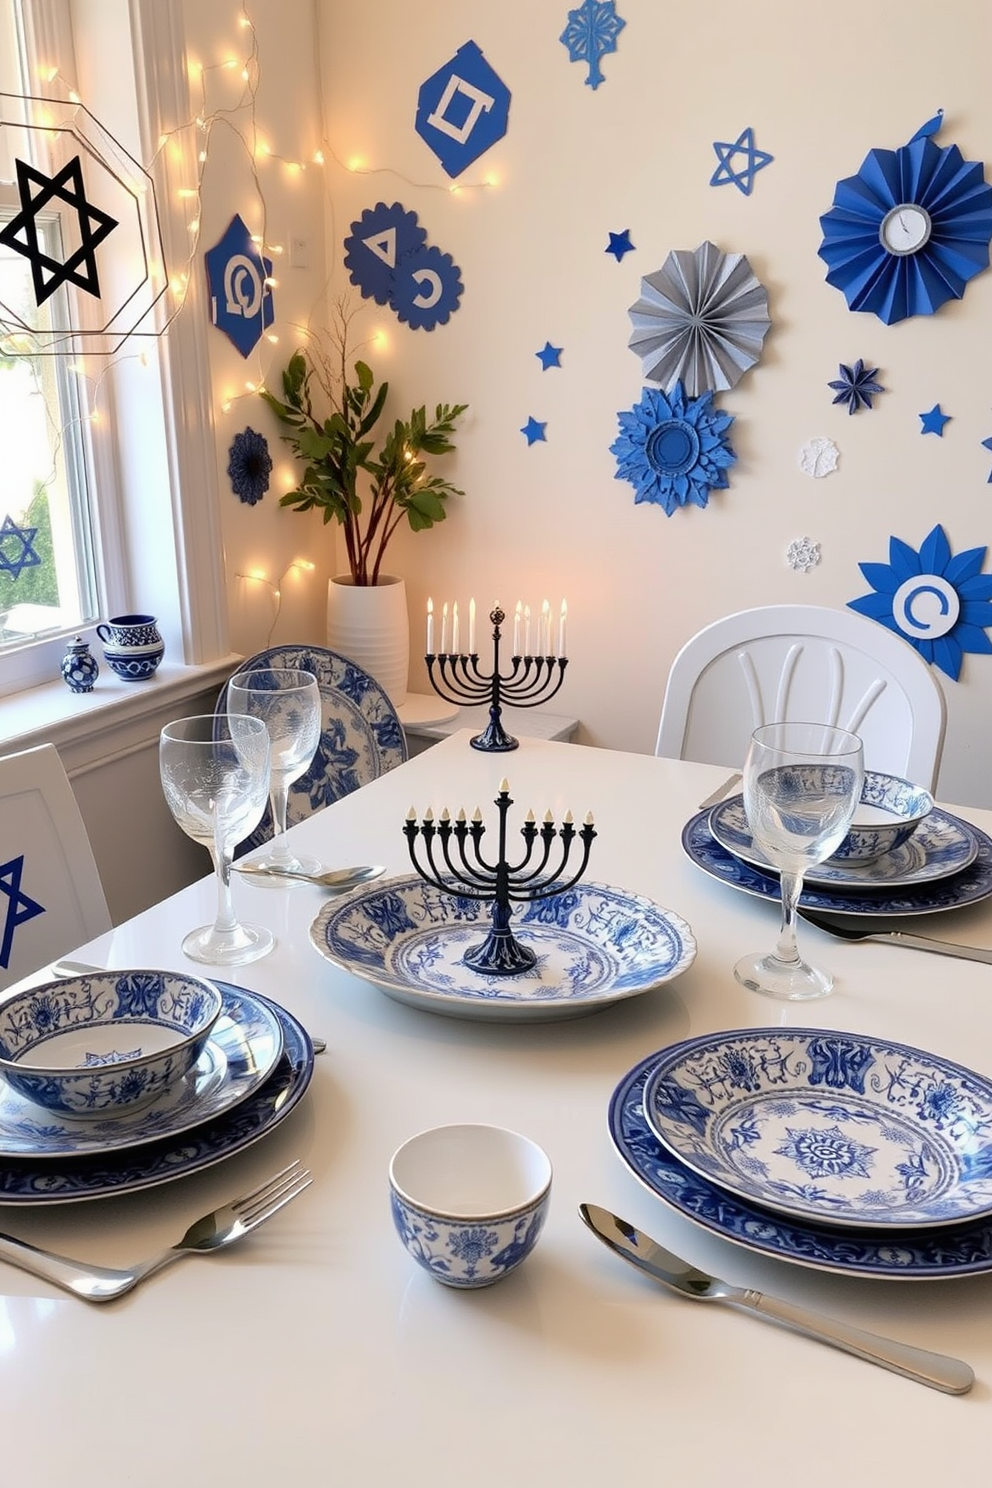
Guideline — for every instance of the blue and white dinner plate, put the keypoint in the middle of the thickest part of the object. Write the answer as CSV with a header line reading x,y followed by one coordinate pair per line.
x,y
595,946
941,845
917,1255
968,886
241,1053
106,1175
829,1126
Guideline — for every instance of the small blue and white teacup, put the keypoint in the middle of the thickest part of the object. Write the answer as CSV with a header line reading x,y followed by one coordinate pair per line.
x,y
469,1202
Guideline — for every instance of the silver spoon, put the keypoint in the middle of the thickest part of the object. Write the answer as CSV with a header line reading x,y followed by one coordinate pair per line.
x,y
936,1370
334,878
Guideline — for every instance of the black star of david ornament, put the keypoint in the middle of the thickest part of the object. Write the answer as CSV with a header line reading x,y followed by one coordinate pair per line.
x,y
21,232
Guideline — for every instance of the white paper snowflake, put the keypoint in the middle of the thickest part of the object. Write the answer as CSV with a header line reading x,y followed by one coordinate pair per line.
x,y
803,554
818,457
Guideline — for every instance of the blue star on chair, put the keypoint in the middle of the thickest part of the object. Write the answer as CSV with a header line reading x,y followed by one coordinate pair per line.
x,y
25,557
756,160
934,421
619,244
19,906
533,430
549,356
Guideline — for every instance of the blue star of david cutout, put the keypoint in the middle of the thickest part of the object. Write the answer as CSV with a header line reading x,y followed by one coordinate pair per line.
x,y
533,430
26,557
549,356
21,232
755,159
934,421
19,906
619,244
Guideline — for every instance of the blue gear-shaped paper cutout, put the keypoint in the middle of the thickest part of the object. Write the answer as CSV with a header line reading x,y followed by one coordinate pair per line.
x,y
426,289
380,239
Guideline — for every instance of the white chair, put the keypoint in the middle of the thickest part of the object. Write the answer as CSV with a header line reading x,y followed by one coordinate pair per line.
x,y
51,897
803,662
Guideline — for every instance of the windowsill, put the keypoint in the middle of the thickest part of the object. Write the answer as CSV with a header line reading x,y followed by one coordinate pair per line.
x,y
88,728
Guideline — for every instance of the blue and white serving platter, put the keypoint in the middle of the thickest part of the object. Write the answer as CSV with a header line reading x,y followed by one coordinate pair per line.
x,y
24,1182
968,886
241,1053
829,1126
916,1255
595,946
941,845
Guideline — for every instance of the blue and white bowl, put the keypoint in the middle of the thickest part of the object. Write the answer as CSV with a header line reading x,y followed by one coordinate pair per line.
x,y
469,1202
134,663
889,812
107,1041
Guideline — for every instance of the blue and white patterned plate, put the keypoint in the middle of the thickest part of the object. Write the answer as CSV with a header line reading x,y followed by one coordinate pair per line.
x,y
23,1182
361,739
831,1126
595,946
968,886
241,1053
917,1255
941,845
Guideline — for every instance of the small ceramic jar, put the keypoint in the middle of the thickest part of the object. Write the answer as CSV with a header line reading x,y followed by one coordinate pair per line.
x,y
79,666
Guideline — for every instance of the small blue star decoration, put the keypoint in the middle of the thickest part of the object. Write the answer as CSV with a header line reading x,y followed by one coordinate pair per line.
x,y
987,444
673,449
549,356
755,160
533,430
940,603
619,244
19,906
934,421
591,33
856,386
249,466
21,555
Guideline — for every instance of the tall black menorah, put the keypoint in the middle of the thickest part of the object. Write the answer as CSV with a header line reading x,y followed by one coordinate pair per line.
x,y
465,871
531,680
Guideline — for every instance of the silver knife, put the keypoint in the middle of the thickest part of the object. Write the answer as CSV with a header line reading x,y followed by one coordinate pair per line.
x,y
936,1370
725,789
902,938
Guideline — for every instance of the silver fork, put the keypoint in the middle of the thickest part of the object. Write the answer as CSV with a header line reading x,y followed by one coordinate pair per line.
x,y
219,1228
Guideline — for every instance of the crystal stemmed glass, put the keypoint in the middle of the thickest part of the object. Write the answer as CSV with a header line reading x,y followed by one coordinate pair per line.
x,y
215,777
289,703
802,784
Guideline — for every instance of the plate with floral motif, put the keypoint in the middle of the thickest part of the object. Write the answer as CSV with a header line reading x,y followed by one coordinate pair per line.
x,y
829,1126
595,945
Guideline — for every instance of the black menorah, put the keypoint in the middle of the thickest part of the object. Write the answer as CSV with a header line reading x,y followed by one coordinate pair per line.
x,y
504,883
531,680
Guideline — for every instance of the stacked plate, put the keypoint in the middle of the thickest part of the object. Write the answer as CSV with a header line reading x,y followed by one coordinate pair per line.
x,y
846,1153
254,1069
945,864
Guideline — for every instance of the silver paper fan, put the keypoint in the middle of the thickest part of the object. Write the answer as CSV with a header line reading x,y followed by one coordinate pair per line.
x,y
701,320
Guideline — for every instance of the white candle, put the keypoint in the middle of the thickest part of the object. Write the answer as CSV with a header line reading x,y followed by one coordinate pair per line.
x,y
527,650
561,629
545,629
454,627
444,628
516,629
430,627
471,627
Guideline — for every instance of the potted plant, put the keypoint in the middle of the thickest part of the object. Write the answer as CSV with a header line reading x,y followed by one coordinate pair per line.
x,y
367,484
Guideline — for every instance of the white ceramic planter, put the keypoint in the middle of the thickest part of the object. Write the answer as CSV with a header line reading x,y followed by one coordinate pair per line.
x,y
369,624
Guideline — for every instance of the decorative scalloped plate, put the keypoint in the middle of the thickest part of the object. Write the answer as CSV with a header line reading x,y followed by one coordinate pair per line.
x,y
595,945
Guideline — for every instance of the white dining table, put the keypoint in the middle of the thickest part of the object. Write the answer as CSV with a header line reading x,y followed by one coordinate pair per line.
x,y
317,1352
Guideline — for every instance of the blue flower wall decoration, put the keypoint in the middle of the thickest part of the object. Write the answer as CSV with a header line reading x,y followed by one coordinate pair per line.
x,y
673,449
941,604
856,385
388,258
909,230
249,466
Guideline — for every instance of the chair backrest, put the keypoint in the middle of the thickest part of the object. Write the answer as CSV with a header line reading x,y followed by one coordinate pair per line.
x,y
51,898
803,662
361,734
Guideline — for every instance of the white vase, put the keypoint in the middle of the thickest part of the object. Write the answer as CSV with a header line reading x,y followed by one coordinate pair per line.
x,y
369,624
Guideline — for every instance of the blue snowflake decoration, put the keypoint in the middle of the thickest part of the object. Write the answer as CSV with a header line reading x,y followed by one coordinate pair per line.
x,y
462,109
240,298
856,385
896,262
591,33
941,604
249,466
673,449
427,289
375,245
754,161
16,550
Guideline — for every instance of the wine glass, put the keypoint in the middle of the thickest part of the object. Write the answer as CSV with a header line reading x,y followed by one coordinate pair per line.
x,y
215,776
802,784
289,703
